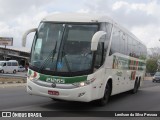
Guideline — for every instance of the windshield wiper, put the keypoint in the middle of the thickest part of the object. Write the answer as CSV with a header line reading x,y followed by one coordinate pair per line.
x,y
66,60
51,54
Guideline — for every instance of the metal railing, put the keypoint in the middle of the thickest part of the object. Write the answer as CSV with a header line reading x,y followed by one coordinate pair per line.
x,y
12,78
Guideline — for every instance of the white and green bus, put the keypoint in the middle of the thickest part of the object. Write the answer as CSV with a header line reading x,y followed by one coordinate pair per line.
x,y
82,57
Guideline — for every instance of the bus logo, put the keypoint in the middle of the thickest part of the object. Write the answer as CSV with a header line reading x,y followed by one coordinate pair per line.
x,y
53,85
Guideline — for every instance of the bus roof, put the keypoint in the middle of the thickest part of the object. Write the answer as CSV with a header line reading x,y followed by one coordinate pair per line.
x,y
85,18
77,17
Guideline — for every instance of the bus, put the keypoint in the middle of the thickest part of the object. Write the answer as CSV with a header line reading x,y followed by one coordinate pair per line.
x,y
83,57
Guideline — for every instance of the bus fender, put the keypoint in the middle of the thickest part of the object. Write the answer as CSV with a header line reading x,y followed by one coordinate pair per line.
x,y
109,80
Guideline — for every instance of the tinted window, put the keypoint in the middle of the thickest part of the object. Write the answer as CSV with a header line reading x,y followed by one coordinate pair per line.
x,y
14,64
8,63
122,39
63,47
126,44
99,54
115,41
107,27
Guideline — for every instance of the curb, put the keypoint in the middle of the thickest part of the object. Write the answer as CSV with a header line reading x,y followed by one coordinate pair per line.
x,y
13,85
12,79
9,80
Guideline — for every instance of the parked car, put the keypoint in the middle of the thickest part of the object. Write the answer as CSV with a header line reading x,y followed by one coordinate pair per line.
x,y
21,69
10,66
156,77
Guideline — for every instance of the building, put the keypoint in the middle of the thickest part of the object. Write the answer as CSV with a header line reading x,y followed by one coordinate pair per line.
x,y
20,54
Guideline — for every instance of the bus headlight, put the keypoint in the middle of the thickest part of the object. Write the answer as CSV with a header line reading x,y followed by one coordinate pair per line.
x,y
84,83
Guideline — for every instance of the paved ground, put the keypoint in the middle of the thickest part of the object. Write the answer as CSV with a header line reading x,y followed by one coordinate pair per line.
x,y
147,99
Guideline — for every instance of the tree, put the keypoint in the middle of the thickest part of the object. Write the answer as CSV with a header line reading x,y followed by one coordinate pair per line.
x,y
142,57
151,65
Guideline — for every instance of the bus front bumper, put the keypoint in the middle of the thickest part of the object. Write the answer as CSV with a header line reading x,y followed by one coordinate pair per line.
x,y
82,94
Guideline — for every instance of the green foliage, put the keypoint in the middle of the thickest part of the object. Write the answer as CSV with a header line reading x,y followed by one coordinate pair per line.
x,y
151,65
142,57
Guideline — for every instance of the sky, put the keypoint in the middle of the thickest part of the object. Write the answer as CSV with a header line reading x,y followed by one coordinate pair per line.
x,y
141,17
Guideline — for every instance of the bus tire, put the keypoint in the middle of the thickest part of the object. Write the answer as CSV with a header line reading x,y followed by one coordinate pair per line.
x,y
2,71
136,86
103,101
56,100
14,71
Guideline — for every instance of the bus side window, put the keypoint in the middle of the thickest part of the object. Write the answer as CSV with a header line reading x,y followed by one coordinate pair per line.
x,y
99,56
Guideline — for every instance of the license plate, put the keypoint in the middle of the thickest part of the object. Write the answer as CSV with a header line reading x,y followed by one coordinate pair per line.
x,y
50,92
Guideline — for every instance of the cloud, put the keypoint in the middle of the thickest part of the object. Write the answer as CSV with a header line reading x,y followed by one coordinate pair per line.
x,y
141,17
19,16
13,8
149,34
83,11
20,25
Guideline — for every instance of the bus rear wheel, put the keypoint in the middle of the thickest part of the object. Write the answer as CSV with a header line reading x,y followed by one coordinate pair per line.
x,y
136,86
103,101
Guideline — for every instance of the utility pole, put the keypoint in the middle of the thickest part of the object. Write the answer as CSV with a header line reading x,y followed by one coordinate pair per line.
x,y
5,53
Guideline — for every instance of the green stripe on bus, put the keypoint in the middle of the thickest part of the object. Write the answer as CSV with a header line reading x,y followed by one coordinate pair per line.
x,y
67,80
127,63
58,79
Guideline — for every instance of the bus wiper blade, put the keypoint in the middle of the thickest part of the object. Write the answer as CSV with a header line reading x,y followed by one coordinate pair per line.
x,y
67,64
51,54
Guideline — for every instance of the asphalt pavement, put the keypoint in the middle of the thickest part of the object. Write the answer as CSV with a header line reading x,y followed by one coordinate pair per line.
x,y
17,99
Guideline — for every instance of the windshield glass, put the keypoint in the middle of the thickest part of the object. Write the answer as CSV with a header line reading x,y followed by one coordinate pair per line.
x,y
157,74
63,47
1,63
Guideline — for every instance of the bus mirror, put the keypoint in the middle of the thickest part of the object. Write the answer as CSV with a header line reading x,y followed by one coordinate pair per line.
x,y
95,39
25,35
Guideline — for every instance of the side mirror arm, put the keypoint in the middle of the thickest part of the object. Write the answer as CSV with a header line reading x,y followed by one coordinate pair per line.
x,y
25,35
95,39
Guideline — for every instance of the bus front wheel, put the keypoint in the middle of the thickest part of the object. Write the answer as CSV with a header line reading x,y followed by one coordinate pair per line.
x,y
103,101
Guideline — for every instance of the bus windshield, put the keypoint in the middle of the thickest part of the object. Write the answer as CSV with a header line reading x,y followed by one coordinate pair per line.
x,y
63,47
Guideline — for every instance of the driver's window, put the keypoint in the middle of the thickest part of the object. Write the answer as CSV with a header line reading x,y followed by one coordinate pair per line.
x,y
38,48
99,56
4,64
